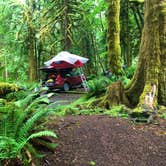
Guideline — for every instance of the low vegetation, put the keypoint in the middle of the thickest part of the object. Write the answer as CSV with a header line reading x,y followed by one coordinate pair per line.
x,y
125,72
22,119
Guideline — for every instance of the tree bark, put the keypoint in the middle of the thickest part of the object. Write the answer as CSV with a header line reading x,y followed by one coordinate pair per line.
x,y
126,31
162,35
32,59
31,35
148,86
66,27
152,61
113,37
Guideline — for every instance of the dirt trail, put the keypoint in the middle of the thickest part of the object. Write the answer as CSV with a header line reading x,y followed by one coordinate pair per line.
x,y
105,141
63,98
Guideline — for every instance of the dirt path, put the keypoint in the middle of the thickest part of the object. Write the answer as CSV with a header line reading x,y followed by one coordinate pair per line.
x,y
105,141
65,98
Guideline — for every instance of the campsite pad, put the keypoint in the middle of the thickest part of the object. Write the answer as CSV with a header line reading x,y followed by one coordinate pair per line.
x,y
105,141
64,98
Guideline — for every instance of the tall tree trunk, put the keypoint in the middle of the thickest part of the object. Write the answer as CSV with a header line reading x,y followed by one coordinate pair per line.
x,y
162,33
31,31
126,31
113,37
32,59
66,27
148,86
152,61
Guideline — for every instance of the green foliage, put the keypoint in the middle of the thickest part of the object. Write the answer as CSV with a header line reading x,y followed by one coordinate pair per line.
x,y
163,115
7,88
91,111
87,32
139,1
124,80
162,112
129,72
98,85
20,122
92,163
82,106
117,111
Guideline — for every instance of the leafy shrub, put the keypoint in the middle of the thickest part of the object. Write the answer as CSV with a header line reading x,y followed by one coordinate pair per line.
x,y
20,122
163,115
124,80
98,86
7,88
91,111
117,111
130,70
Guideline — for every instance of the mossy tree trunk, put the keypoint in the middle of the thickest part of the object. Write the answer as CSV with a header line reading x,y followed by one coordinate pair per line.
x,y
32,59
125,32
152,60
66,26
31,34
148,86
162,71
113,37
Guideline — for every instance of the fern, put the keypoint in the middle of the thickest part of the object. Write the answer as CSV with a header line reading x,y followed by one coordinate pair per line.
x,y
22,117
23,132
98,86
24,141
17,126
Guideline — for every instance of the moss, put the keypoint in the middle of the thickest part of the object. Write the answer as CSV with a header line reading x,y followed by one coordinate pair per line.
x,y
114,96
113,37
7,88
117,111
147,89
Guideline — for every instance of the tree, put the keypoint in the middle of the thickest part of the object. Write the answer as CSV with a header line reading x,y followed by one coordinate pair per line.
x,y
150,75
151,56
125,32
66,25
136,6
113,37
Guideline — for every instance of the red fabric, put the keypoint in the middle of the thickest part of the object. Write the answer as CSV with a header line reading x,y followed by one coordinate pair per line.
x,y
59,79
66,65
78,64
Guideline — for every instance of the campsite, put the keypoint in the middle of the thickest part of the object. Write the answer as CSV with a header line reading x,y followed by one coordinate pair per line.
x,y
83,83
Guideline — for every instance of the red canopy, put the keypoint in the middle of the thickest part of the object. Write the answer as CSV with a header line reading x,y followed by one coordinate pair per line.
x,y
66,65
66,60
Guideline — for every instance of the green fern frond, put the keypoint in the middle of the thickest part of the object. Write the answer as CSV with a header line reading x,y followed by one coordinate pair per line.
x,y
42,142
35,135
96,86
23,132
22,117
42,133
17,124
6,144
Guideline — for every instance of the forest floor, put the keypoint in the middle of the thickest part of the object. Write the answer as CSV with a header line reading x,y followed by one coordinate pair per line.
x,y
67,98
100,140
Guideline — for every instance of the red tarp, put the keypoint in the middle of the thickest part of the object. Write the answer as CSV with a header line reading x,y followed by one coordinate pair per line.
x,y
65,60
65,65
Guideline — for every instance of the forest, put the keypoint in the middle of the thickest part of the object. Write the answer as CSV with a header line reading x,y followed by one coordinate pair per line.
x,y
113,113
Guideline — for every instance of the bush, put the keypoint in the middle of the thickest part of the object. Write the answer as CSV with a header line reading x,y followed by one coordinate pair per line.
x,y
20,122
117,111
130,70
98,86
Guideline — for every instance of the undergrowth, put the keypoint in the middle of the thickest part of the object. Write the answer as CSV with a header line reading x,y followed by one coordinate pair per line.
x,y
22,118
82,106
